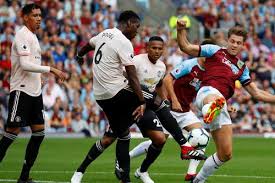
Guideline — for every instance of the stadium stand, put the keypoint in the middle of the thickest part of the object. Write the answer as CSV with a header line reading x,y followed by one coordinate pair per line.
x,y
71,107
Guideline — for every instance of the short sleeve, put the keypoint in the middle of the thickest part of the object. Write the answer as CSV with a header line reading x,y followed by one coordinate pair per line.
x,y
136,61
23,46
126,54
245,77
208,50
93,40
184,68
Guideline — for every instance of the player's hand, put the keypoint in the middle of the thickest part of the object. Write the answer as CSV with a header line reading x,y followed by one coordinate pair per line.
x,y
138,113
79,59
59,74
232,109
181,24
176,106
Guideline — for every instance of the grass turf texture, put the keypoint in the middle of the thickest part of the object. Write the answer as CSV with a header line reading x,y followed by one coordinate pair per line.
x,y
253,162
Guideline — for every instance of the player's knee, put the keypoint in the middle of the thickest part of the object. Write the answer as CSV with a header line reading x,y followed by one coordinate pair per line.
x,y
14,131
39,133
106,141
38,136
159,140
124,136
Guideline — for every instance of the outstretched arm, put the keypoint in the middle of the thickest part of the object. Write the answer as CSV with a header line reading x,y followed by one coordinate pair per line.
x,y
168,82
183,43
259,94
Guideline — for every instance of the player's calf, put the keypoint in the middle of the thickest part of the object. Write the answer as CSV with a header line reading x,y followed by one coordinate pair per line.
x,y
7,139
122,154
31,153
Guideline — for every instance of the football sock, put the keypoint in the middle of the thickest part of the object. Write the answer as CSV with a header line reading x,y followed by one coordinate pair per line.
x,y
123,158
140,149
171,125
5,142
192,169
31,153
93,153
209,167
153,153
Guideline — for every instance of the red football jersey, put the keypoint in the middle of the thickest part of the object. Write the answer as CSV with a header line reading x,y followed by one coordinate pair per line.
x,y
188,77
222,70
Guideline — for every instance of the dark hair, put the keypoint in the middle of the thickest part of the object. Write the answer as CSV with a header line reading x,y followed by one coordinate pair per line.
x,y
239,31
27,9
208,41
127,15
156,38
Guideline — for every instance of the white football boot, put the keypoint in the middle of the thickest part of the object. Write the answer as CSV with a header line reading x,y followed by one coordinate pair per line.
x,y
144,176
76,178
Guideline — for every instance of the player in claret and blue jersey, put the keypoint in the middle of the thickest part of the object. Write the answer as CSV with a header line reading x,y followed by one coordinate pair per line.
x,y
222,69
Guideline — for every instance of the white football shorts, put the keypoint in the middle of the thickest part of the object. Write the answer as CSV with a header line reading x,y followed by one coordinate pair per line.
x,y
223,118
184,119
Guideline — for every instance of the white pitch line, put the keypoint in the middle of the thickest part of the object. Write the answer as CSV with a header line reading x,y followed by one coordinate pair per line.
x,y
42,181
158,174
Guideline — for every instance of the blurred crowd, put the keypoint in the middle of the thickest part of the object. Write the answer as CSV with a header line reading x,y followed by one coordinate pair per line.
x,y
69,24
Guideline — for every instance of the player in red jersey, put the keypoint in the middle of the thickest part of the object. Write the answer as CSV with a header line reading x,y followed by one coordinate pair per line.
x,y
182,85
187,76
222,69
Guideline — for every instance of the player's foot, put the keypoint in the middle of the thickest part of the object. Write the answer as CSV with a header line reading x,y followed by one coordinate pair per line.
x,y
190,177
117,171
188,152
197,181
144,176
25,181
214,110
77,177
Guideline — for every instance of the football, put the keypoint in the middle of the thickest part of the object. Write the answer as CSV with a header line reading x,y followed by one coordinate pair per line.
x,y
198,138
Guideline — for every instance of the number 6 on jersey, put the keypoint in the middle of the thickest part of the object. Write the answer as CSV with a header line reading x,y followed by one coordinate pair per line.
x,y
98,54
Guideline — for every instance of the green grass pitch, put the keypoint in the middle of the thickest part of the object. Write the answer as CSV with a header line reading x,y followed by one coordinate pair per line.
x,y
253,162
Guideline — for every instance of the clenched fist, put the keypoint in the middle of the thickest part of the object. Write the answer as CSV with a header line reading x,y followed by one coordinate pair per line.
x,y
181,24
